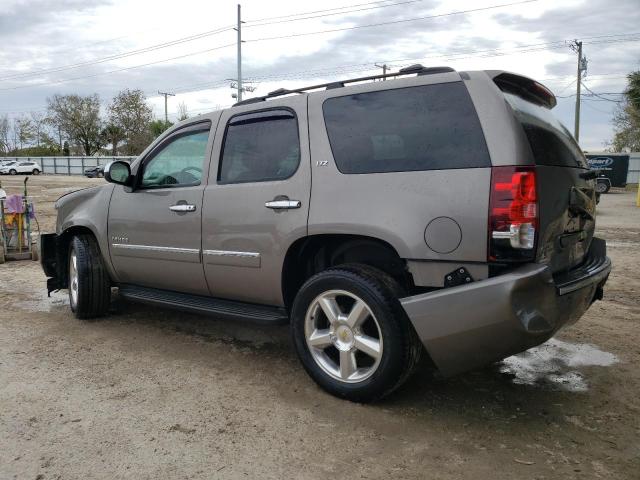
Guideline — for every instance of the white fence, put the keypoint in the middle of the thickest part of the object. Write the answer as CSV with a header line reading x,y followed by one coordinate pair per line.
x,y
67,165
633,175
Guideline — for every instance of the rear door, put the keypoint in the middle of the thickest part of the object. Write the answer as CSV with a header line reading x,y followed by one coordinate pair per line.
x,y
257,201
566,193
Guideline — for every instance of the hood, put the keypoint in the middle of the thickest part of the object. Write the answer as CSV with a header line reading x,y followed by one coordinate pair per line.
x,y
79,194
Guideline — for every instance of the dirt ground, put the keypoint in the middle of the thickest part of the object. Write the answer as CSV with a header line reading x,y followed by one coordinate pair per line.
x,y
152,393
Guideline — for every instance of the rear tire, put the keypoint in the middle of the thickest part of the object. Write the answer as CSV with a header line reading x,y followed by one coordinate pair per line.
x,y
602,187
380,350
89,284
36,171
12,172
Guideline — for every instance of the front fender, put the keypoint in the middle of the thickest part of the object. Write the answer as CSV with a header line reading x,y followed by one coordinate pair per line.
x,y
87,209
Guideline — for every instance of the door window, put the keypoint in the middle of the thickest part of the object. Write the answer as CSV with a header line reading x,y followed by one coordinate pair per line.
x,y
259,147
178,163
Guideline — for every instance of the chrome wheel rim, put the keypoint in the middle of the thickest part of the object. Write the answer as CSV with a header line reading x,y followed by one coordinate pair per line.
x,y
73,278
343,336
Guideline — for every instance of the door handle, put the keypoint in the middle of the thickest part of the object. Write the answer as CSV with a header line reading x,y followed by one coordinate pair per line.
x,y
283,204
182,207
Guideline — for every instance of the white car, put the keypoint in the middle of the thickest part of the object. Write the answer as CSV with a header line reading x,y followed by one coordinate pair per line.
x,y
15,167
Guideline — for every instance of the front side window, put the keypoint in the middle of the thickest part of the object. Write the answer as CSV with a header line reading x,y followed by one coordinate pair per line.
x,y
260,147
429,127
179,162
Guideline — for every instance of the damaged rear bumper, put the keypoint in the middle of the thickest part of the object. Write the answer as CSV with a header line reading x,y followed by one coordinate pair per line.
x,y
473,325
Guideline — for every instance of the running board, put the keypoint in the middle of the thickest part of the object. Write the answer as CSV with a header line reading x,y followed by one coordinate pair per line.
x,y
206,305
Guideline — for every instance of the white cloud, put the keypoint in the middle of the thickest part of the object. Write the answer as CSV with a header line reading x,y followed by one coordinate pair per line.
x,y
41,34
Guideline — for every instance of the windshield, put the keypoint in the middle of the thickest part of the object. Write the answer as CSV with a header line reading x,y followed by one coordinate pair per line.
x,y
551,143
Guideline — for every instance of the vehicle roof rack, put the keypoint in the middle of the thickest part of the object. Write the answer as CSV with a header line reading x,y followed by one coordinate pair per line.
x,y
416,69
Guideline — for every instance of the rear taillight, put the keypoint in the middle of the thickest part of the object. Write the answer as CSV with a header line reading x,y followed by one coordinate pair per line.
x,y
513,214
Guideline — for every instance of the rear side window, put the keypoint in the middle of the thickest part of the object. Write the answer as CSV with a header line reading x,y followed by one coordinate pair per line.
x,y
430,127
260,147
551,143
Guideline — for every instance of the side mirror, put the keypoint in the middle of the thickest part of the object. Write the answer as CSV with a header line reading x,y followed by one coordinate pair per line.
x,y
118,172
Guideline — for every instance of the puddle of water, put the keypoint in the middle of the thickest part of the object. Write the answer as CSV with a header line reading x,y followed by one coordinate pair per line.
x,y
554,364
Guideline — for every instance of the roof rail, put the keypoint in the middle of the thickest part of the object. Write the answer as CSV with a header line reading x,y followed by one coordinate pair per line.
x,y
412,70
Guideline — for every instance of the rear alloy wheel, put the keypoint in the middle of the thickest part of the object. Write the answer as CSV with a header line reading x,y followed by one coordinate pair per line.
x,y
339,321
351,333
89,284
36,171
13,171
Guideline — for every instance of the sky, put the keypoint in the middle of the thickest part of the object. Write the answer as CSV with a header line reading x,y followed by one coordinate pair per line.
x,y
189,48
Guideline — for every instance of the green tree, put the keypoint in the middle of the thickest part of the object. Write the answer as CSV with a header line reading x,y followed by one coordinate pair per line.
x,y
131,114
158,127
112,134
5,129
23,131
626,118
78,118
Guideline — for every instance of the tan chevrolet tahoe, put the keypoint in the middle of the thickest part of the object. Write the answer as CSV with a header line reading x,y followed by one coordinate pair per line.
x,y
440,213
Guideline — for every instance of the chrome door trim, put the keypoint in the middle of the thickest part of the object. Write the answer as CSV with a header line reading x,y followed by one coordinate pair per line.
x,y
232,258
156,253
155,248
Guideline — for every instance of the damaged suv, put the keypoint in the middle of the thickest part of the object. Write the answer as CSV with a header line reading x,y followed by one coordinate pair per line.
x,y
440,213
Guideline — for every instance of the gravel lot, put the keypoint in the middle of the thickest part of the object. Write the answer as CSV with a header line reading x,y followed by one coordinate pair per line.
x,y
151,393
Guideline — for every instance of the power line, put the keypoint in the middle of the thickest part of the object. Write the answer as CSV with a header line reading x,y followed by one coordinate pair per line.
x,y
139,51
119,69
394,22
316,11
334,13
198,36
599,95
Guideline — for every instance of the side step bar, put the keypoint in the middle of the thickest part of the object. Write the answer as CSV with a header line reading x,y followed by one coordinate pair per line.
x,y
206,305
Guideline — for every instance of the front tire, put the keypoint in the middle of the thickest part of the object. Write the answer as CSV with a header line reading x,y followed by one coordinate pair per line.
x,y
36,171
89,285
351,333
13,172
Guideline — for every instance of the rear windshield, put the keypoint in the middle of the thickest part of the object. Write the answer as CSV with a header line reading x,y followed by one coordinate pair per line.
x,y
551,143
428,127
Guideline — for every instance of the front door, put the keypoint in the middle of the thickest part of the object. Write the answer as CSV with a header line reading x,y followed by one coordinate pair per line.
x,y
155,229
257,200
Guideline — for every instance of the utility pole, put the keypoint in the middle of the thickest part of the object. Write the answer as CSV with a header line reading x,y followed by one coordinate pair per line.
x,y
384,69
239,56
576,46
166,94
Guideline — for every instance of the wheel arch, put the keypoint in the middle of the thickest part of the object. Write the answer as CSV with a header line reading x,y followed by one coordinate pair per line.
x,y
314,253
63,240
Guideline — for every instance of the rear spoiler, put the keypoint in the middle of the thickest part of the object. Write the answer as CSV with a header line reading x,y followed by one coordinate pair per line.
x,y
523,87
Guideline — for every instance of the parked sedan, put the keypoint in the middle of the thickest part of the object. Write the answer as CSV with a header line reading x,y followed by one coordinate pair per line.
x,y
15,167
95,172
